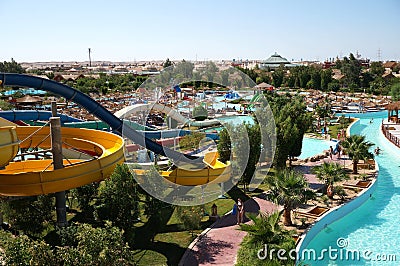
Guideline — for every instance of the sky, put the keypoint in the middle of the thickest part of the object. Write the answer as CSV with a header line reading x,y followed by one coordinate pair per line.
x,y
63,30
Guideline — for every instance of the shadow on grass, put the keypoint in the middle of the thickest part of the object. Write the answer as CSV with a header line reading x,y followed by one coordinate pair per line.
x,y
173,252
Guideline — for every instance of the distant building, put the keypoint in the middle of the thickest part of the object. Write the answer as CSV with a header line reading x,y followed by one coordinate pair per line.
x,y
275,61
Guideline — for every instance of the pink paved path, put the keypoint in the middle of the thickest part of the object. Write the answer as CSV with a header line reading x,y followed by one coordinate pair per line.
x,y
220,244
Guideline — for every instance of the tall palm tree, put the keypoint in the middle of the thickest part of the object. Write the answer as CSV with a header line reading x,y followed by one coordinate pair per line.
x,y
330,173
290,189
357,148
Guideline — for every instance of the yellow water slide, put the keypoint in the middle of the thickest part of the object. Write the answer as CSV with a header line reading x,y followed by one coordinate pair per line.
x,y
215,172
8,142
35,177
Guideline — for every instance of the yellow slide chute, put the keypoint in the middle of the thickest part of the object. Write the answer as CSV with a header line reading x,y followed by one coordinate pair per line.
x,y
215,172
35,177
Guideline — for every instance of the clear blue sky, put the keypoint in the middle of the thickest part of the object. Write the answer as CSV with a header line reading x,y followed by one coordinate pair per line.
x,y
44,30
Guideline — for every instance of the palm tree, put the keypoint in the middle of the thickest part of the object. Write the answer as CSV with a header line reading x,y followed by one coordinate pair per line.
x,y
330,173
265,228
357,148
290,189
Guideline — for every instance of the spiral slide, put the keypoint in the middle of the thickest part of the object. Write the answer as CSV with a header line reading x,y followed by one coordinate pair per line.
x,y
100,112
36,177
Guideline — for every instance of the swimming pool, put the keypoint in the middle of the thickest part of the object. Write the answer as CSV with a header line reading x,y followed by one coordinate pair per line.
x,y
313,147
371,230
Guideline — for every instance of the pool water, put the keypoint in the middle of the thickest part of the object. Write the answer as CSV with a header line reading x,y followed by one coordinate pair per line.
x,y
313,147
310,146
374,226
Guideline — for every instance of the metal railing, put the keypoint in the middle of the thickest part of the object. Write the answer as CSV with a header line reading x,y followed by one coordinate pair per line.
x,y
392,138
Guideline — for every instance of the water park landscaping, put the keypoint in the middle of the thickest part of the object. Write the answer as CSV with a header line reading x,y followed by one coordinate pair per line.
x,y
120,212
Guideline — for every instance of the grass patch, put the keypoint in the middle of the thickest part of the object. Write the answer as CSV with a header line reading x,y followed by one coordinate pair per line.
x,y
167,249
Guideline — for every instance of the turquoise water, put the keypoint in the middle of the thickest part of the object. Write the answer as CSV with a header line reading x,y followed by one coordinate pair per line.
x,y
313,147
374,226
310,147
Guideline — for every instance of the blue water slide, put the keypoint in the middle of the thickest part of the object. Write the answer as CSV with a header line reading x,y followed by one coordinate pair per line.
x,y
69,121
172,133
95,108
35,115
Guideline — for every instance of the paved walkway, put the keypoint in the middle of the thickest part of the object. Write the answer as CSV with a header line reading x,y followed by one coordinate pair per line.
x,y
220,244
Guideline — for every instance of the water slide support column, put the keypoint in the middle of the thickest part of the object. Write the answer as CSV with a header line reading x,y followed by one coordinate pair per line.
x,y
56,149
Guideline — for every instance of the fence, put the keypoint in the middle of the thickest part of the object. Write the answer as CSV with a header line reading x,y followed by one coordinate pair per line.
x,y
395,140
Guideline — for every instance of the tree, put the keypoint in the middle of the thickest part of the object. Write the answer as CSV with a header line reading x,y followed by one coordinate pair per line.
x,y
199,113
88,246
252,145
190,217
30,215
292,121
351,69
330,173
395,91
266,229
157,211
85,195
105,246
326,78
118,198
290,189
5,105
167,63
185,69
192,141
224,145
11,67
277,77
358,149
376,69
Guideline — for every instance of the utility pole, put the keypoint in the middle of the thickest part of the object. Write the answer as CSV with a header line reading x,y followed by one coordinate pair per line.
x,y
379,54
90,59
56,150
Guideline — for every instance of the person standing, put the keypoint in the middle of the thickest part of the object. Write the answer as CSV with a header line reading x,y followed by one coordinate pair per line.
x,y
240,211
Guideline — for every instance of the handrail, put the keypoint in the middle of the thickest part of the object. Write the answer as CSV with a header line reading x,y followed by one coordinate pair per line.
x,y
392,138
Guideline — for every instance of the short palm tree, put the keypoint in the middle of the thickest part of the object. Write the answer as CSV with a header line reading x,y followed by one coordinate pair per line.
x,y
290,189
265,228
330,173
358,149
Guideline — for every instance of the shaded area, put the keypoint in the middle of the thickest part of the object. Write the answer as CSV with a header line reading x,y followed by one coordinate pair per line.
x,y
208,248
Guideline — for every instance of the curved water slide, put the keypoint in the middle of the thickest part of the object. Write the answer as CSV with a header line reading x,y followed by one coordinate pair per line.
x,y
9,143
36,177
174,114
100,112
35,115
69,121
215,172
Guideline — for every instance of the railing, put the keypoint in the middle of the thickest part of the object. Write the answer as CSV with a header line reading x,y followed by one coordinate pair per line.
x,y
395,140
